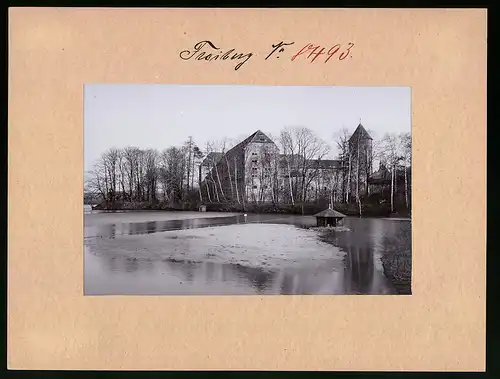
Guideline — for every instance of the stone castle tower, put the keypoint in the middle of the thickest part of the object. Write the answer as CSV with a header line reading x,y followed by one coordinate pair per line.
x,y
359,162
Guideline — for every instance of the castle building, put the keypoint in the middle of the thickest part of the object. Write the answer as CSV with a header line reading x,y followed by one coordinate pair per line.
x,y
243,173
255,171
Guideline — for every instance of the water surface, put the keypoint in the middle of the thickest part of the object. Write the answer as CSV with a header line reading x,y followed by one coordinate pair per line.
x,y
193,253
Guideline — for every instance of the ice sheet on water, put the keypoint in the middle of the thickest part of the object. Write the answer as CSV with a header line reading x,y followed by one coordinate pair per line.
x,y
256,245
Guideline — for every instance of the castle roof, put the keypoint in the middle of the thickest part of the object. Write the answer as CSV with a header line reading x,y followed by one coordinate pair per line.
x,y
256,137
360,133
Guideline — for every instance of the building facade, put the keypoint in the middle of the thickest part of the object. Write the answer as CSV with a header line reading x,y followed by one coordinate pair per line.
x,y
244,173
255,171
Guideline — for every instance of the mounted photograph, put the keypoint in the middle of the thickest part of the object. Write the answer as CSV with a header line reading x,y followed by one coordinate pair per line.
x,y
247,190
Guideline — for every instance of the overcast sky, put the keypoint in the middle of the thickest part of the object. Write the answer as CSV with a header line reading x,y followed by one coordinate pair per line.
x,y
159,116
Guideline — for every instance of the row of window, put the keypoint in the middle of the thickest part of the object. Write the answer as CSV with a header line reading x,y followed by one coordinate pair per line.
x,y
265,176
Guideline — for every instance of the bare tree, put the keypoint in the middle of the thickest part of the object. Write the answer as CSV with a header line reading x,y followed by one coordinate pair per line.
x,y
213,170
110,162
172,173
271,158
197,159
151,174
130,166
268,158
95,182
405,139
188,150
236,179
310,148
341,139
392,154
288,147
163,174
104,177
225,146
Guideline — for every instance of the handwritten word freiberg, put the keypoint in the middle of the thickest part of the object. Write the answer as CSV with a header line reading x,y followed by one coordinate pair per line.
x,y
213,53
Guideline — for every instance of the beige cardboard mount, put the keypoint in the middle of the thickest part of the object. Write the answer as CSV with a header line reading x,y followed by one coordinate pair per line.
x,y
440,54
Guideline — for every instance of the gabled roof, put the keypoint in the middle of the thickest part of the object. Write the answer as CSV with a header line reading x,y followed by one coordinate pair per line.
x,y
329,213
257,137
361,133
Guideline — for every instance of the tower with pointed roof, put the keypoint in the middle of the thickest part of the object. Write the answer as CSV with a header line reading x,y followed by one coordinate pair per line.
x,y
359,162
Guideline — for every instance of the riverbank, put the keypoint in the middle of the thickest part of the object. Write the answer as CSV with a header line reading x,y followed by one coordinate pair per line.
x,y
395,256
397,263
368,210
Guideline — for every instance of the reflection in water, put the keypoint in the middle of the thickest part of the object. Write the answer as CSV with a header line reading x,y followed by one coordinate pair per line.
x,y
257,277
362,271
110,230
162,226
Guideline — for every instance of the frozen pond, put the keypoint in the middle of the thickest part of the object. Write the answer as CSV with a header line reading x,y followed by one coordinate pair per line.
x,y
193,253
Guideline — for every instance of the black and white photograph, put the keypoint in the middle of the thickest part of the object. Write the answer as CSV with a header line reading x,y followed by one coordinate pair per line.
x,y
247,190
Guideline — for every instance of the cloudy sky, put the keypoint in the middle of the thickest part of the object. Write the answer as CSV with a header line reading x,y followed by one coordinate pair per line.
x,y
159,116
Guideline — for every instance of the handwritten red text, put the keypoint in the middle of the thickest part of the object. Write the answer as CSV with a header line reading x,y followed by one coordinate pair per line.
x,y
313,52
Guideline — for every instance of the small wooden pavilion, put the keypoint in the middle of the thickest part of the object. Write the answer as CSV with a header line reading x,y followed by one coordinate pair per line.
x,y
329,217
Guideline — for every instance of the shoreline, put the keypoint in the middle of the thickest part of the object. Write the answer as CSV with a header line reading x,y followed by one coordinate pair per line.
x,y
309,210
235,213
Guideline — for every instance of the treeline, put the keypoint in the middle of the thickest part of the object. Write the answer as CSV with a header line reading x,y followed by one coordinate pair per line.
x,y
135,178
132,176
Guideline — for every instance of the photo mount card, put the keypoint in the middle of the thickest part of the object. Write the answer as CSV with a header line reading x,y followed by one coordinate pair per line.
x,y
55,321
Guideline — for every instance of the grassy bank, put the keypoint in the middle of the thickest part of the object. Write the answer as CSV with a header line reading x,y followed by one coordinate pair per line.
x,y
397,263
